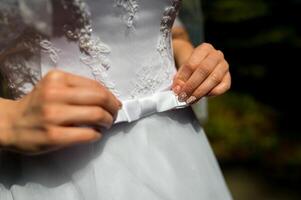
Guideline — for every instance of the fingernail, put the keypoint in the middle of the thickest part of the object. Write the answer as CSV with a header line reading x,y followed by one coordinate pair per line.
x,y
182,96
177,89
191,100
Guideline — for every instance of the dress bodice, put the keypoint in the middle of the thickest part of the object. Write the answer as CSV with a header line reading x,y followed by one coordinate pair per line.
x,y
124,44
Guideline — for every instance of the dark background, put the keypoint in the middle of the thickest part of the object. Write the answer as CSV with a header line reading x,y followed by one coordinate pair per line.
x,y
254,128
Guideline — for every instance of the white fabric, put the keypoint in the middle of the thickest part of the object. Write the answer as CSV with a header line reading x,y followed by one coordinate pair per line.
x,y
163,156
142,107
159,156
133,56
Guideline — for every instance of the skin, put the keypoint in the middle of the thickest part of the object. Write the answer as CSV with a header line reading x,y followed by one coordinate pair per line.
x,y
46,118
202,71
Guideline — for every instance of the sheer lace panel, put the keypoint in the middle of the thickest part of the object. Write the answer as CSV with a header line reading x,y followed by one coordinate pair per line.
x,y
11,22
94,51
150,77
19,52
20,65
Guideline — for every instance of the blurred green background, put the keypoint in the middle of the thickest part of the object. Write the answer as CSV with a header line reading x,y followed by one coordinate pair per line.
x,y
254,128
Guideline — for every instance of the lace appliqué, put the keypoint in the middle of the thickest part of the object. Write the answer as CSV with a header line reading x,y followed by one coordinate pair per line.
x,y
94,59
169,16
11,24
147,82
150,78
13,28
130,8
48,48
20,64
22,73
80,30
19,52
95,52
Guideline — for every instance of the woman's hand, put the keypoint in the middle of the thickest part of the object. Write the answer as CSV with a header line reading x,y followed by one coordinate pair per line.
x,y
204,73
46,119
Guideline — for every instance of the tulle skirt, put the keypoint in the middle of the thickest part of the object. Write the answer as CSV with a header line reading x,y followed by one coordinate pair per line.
x,y
165,156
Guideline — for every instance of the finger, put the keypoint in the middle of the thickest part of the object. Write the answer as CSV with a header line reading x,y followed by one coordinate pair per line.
x,y
206,68
90,96
53,138
29,141
95,96
78,81
66,136
177,85
57,78
198,55
222,87
214,79
72,115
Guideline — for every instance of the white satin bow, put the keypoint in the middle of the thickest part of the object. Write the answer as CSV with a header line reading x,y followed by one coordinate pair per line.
x,y
135,109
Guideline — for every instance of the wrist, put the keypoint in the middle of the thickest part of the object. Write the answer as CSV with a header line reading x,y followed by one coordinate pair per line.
x,y
5,130
8,115
182,51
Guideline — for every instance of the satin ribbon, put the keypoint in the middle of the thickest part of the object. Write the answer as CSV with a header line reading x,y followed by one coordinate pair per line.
x,y
135,109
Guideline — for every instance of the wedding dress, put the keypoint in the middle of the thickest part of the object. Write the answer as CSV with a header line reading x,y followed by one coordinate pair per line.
x,y
156,149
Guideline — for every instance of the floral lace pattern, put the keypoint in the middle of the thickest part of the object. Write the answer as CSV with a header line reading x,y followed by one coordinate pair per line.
x,y
150,78
48,48
100,73
28,75
169,16
80,30
94,52
20,65
10,22
130,9
19,52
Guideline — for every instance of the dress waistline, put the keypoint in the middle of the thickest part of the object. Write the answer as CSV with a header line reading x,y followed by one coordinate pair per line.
x,y
135,109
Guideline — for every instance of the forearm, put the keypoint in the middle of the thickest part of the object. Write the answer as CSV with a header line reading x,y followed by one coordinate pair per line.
x,y
182,46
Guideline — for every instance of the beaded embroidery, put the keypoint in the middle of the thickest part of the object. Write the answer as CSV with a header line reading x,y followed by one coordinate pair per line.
x,y
130,7
47,47
169,16
80,29
150,78
95,52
